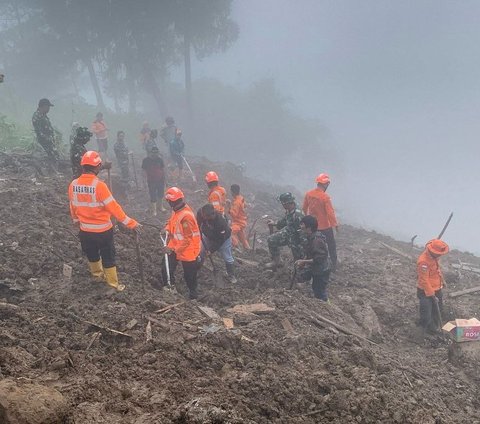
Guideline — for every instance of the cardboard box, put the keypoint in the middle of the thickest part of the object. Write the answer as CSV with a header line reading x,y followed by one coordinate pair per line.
x,y
463,330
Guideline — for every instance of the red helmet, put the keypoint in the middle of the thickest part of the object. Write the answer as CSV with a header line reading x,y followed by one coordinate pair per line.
x,y
211,177
323,179
437,247
173,194
91,158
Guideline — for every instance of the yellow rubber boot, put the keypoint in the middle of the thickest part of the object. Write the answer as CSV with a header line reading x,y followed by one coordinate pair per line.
x,y
112,278
96,269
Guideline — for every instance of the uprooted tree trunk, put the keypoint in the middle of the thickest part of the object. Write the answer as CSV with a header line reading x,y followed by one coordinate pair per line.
x,y
95,85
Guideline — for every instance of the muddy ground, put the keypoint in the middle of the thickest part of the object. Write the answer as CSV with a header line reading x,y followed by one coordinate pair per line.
x,y
282,366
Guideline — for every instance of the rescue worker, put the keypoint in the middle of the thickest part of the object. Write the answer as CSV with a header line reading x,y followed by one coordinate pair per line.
x,y
430,283
239,218
217,195
45,133
73,133
121,152
318,203
78,149
99,128
144,133
154,170
152,141
288,234
316,265
216,236
177,148
91,206
183,241
168,131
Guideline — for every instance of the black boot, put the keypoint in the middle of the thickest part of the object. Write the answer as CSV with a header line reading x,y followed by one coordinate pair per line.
x,y
231,273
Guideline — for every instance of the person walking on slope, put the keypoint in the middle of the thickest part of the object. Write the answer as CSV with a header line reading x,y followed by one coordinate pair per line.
x,y
77,149
318,203
151,141
217,195
154,169
144,133
177,148
288,234
100,130
430,283
169,130
91,206
216,236
239,218
121,152
184,242
45,133
316,265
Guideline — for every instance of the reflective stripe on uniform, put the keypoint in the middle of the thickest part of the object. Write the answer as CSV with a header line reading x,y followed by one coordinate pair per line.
x,y
87,204
126,221
108,200
215,203
85,226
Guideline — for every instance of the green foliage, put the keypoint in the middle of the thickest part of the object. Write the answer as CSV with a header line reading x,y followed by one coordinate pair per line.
x,y
13,135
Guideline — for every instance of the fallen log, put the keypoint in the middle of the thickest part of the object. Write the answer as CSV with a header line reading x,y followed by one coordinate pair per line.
x,y
466,291
344,329
251,308
464,267
395,250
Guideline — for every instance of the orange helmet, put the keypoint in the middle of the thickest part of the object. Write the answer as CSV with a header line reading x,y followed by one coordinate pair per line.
x,y
173,194
323,179
437,247
211,177
91,158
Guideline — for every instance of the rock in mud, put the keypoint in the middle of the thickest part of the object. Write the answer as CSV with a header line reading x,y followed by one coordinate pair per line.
x,y
31,403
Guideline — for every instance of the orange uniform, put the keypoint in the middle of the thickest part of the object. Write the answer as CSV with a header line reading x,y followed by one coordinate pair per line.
x,y
218,197
319,204
184,234
92,205
429,274
99,129
239,222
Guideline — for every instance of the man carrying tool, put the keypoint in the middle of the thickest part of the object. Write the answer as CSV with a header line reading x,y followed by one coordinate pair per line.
x,y
183,241
239,218
216,236
288,234
429,285
316,265
45,133
177,148
91,206
318,203
77,150
217,195
121,152
154,170
99,128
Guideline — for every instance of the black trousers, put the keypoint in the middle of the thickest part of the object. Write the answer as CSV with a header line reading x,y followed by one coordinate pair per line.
x,y
156,189
428,316
190,270
99,245
319,283
332,245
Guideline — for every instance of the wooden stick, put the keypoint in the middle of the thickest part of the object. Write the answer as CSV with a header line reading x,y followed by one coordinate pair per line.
x,y
466,291
92,340
445,226
148,331
395,250
169,307
344,329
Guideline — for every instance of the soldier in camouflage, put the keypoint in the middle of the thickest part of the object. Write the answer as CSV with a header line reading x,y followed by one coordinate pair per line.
x,y
121,152
45,133
289,232
78,149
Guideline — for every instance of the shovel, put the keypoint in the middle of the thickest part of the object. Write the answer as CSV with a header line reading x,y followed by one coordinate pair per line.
x,y
134,170
294,277
253,225
167,265
194,178
217,279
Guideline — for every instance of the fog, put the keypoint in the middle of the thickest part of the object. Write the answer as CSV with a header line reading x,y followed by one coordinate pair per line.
x,y
397,84
387,96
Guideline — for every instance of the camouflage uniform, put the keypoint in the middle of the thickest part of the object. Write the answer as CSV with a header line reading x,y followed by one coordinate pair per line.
x,y
121,152
78,149
45,135
288,235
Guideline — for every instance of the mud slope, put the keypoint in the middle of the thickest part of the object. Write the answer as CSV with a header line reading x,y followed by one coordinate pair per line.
x,y
282,366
